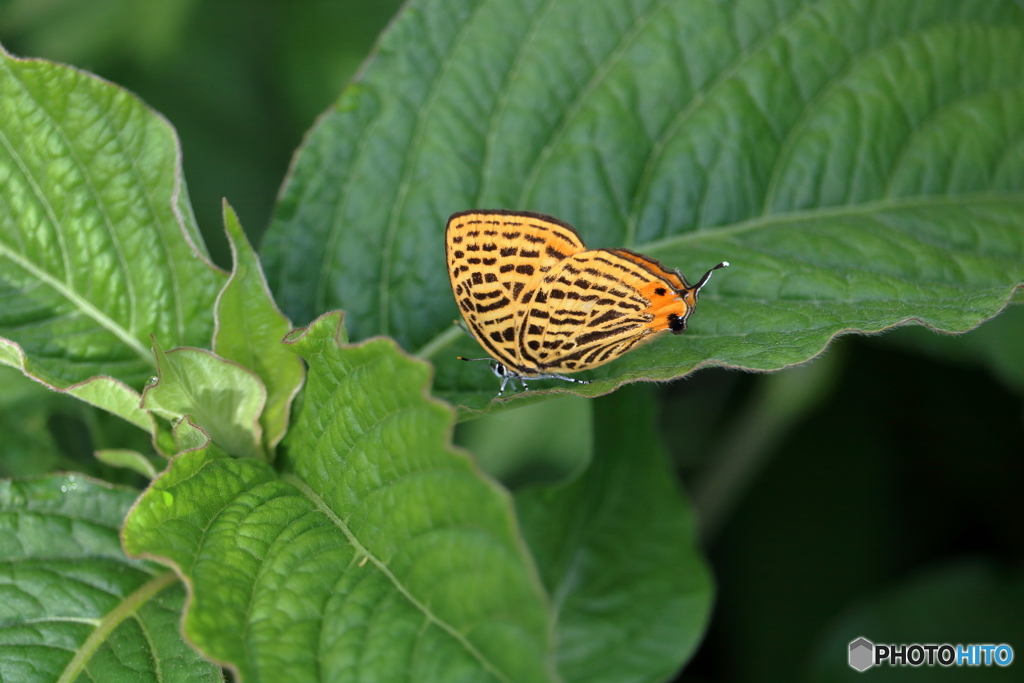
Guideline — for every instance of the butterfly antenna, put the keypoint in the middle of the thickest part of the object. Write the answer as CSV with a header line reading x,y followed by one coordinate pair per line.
x,y
707,275
472,359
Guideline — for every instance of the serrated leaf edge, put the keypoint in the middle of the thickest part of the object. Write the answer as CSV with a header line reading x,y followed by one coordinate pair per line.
x,y
271,441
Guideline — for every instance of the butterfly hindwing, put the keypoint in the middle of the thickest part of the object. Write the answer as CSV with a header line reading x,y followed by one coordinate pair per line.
x,y
495,261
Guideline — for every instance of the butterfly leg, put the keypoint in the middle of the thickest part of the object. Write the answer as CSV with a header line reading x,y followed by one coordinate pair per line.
x,y
563,377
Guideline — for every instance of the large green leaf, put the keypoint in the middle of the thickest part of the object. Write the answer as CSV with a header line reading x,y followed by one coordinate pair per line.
x,y
380,553
860,163
72,606
98,246
617,549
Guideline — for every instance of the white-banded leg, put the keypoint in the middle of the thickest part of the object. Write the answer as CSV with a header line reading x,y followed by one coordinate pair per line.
x,y
507,376
551,376
504,380
567,379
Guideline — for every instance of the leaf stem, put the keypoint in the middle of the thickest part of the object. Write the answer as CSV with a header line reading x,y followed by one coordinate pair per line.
x,y
111,621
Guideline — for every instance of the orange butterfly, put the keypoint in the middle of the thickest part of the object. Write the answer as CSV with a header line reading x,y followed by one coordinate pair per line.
x,y
541,304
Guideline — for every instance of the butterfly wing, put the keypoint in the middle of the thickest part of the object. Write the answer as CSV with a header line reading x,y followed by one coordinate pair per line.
x,y
597,305
496,260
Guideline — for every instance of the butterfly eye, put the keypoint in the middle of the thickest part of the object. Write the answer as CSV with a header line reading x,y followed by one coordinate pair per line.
x,y
676,324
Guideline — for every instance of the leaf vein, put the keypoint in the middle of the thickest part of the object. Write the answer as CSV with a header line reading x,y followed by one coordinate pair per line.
x,y
600,73
405,181
505,96
87,177
698,98
383,568
803,215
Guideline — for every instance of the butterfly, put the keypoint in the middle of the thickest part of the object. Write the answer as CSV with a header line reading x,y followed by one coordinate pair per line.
x,y
542,304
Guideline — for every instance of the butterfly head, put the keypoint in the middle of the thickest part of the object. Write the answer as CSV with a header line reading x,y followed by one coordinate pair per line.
x,y
676,322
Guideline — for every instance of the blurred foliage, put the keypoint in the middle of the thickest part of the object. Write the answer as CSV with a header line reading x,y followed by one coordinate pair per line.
x,y
543,442
42,431
910,462
997,345
961,602
912,458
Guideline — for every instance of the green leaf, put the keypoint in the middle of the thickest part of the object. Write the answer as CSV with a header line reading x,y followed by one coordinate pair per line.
x,y
860,164
250,329
98,245
962,603
72,606
116,398
221,397
380,552
189,437
124,457
617,548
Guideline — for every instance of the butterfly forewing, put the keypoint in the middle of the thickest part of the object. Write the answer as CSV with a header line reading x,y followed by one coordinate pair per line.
x,y
496,260
596,306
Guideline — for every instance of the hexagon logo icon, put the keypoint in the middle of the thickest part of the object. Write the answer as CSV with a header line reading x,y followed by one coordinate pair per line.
x,y
862,653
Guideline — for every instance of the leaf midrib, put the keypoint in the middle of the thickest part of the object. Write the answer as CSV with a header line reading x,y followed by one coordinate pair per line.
x,y
362,550
806,215
81,303
110,621
383,568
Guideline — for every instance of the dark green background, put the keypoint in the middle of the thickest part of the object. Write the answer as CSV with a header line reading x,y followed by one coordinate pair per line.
x,y
893,504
